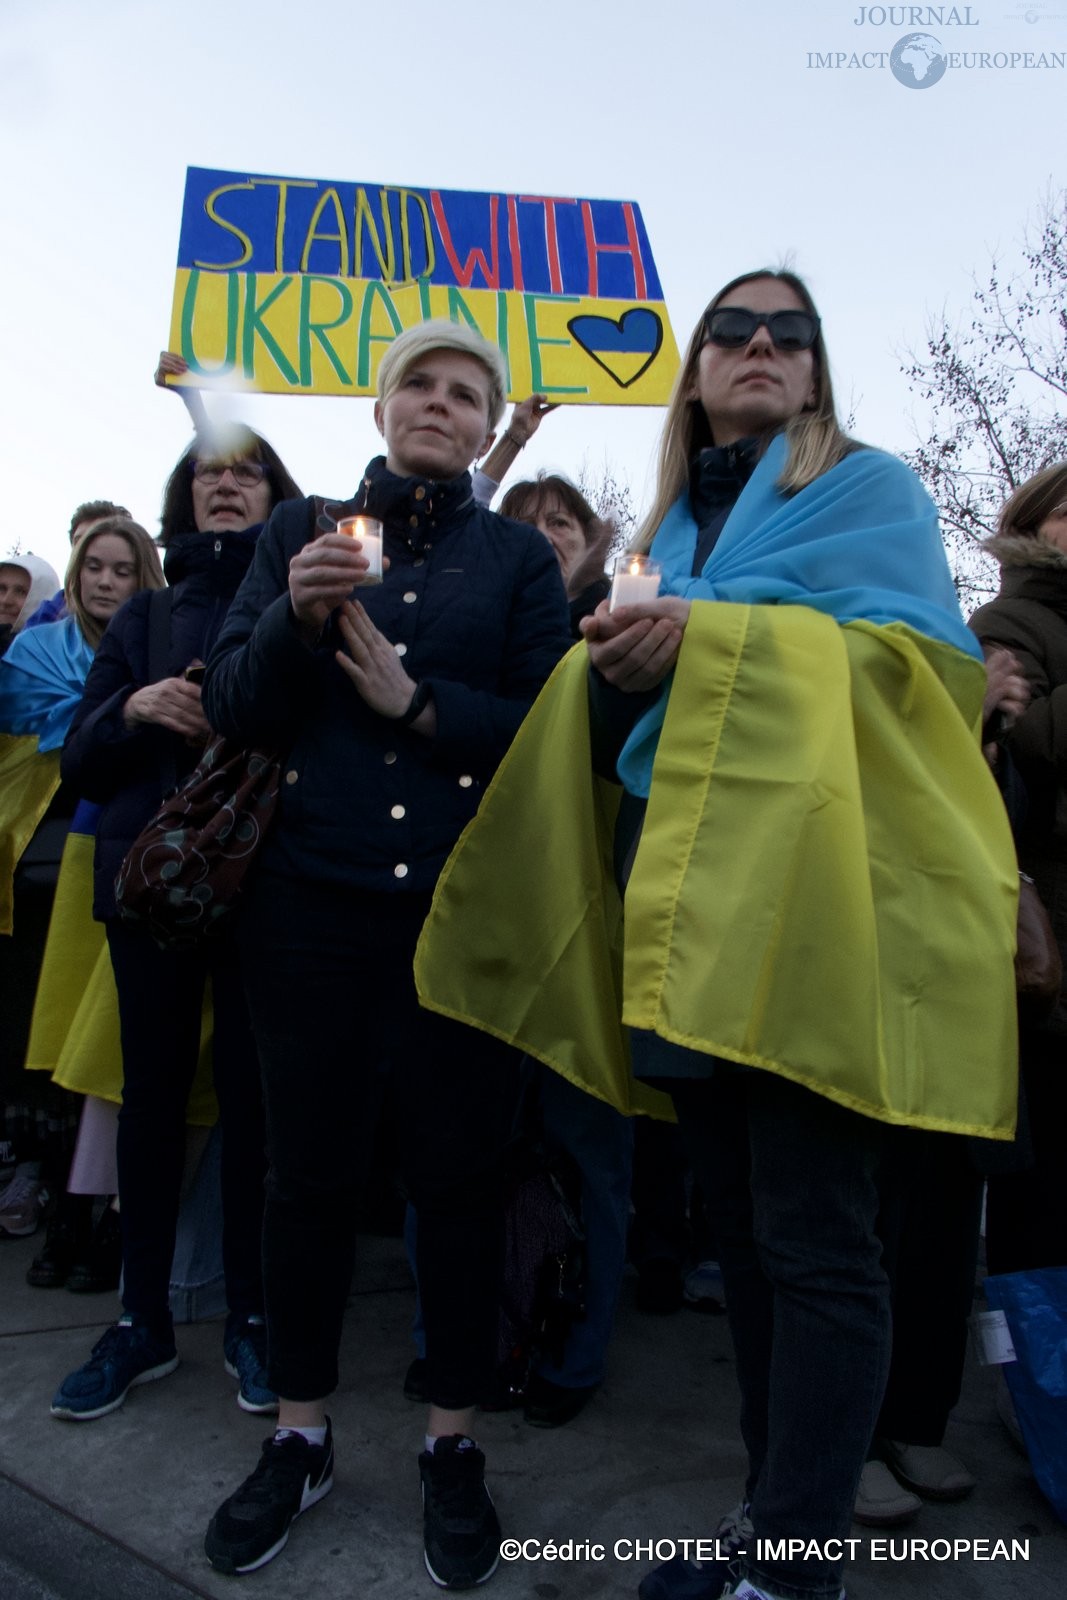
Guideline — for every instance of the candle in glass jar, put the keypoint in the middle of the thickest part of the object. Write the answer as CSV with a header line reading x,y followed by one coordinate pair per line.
x,y
635,578
368,530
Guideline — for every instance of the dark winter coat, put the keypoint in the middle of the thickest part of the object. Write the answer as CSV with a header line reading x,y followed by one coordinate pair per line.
x,y
474,604
128,770
1029,617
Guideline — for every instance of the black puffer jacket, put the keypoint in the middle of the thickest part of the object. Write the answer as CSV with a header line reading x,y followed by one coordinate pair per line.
x,y
472,602
126,770
1029,617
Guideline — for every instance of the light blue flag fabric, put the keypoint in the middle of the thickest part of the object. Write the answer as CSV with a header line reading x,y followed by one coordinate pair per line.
x,y
861,543
41,681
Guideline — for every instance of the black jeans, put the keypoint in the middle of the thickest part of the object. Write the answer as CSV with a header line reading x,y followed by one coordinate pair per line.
x,y
160,999
1026,1212
928,1222
332,996
789,1180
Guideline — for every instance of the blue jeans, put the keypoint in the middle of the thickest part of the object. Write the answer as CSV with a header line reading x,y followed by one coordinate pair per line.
x,y
790,1182
600,1139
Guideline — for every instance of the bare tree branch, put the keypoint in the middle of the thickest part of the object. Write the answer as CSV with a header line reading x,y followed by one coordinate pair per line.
x,y
993,390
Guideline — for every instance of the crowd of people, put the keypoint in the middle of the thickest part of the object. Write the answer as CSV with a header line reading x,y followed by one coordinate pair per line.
x,y
737,865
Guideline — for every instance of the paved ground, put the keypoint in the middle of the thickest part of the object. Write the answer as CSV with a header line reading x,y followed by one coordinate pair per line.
x,y
116,1509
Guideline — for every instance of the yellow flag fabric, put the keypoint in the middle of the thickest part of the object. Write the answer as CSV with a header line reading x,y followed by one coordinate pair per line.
x,y
75,1034
825,885
28,780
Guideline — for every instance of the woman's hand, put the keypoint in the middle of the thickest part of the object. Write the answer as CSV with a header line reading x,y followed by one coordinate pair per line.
x,y
170,366
171,703
635,647
372,663
1007,691
321,576
526,417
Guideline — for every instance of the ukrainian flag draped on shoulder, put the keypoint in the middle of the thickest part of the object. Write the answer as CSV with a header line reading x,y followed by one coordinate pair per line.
x,y
825,885
41,681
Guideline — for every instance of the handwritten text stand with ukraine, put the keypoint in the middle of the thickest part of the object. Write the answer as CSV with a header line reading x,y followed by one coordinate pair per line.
x,y
298,286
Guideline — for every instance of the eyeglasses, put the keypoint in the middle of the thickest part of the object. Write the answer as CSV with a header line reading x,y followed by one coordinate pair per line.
x,y
246,473
731,327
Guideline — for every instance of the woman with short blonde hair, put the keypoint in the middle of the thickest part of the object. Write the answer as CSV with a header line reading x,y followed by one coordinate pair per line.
x,y
394,700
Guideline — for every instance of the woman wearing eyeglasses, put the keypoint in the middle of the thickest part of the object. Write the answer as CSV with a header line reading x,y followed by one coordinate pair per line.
x,y
817,890
138,730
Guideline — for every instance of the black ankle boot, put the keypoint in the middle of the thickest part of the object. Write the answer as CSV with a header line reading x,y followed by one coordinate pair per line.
x,y
99,1267
67,1236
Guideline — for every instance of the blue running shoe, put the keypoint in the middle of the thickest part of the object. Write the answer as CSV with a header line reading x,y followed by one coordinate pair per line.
x,y
127,1354
679,1579
245,1349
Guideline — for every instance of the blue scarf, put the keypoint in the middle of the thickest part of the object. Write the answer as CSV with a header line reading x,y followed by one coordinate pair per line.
x,y
861,543
41,681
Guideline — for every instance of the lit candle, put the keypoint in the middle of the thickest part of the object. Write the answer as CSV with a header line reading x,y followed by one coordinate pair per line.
x,y
636,578
368,530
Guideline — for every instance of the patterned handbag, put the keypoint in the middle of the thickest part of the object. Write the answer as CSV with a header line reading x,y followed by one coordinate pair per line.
x,y
183,874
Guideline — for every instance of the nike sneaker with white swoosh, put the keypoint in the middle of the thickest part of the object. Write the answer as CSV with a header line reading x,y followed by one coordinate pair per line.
x,y
250,1528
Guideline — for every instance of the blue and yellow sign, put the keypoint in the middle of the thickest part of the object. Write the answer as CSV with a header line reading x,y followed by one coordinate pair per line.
x,y
298,285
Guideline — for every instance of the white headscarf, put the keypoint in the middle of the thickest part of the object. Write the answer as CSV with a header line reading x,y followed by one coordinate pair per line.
x,y
44,581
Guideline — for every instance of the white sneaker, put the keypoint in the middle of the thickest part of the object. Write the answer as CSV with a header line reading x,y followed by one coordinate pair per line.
x,y
22,1203
702,1290
735,1530
880,1500
929,1469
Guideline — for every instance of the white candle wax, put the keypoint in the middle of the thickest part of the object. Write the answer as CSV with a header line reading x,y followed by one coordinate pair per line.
x,y
368,530
630,588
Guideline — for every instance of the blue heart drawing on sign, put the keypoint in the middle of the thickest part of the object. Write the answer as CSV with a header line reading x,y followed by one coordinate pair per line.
x,y
626,348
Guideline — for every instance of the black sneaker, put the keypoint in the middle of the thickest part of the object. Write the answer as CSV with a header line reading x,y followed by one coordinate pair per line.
x,y
461,1529
251,1526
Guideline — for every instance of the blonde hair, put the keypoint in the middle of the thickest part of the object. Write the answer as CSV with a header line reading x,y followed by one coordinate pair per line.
x,y
815,437
439,334
145,554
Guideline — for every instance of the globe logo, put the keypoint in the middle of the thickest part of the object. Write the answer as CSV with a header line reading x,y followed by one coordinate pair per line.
x,y
918,61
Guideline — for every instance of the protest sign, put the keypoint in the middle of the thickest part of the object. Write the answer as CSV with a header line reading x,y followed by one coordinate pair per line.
x,y
298,286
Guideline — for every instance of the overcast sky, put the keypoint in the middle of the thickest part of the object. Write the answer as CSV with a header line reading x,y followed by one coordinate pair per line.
x,y
721,120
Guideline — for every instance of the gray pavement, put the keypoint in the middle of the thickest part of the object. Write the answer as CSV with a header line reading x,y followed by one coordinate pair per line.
x,y
116,1509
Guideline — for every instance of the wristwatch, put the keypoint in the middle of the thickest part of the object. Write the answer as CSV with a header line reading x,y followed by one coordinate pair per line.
x,y
419,701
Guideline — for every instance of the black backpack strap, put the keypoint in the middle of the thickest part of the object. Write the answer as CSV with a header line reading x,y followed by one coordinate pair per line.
x,y
160,607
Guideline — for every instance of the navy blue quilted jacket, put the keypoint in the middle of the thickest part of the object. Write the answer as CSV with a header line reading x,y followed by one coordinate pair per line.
x,y
473,602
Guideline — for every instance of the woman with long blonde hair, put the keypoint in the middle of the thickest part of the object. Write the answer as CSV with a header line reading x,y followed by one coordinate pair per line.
x,y
815,932
41,681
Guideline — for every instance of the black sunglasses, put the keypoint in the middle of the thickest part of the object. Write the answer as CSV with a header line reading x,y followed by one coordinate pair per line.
x,y
730,327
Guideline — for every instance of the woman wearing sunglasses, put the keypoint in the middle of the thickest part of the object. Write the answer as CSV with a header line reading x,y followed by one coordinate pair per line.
x,y
817,891
138,730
